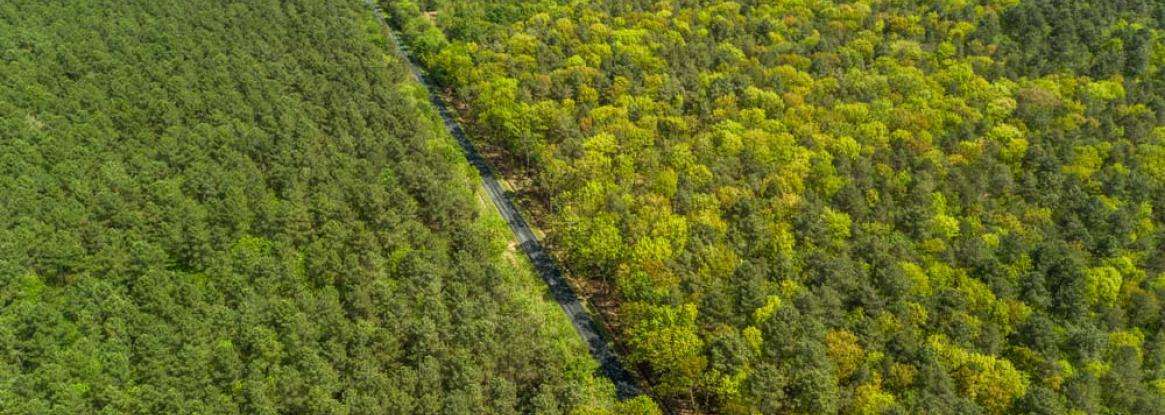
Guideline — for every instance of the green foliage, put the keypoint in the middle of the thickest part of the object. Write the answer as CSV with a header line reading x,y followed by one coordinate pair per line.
x,y
640,405
666,338
994,383
826,187
246,207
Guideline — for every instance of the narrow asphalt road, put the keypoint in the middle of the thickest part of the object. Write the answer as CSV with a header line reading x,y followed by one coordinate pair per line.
x,y
587,328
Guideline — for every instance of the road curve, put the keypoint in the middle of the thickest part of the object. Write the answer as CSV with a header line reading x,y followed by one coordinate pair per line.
x,y
587,328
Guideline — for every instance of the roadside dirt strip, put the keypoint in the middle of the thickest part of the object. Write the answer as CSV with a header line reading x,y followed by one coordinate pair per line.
x,y
587,328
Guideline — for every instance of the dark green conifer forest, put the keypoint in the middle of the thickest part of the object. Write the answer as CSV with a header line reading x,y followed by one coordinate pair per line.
x,y
839,206
225,207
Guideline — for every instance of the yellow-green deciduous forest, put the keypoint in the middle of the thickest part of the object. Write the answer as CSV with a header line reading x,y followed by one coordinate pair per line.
x,y
839,206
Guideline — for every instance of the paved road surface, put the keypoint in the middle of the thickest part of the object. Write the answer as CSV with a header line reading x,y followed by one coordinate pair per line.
x,y
601,350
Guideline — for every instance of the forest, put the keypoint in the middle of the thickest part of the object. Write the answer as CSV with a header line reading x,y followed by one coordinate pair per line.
x,y
223,207
839,206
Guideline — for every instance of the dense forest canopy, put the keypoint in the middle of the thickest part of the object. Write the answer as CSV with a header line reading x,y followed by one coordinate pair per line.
x,y
247,207
855,206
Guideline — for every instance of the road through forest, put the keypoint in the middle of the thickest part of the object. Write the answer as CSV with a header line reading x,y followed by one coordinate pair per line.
x,y
586,327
